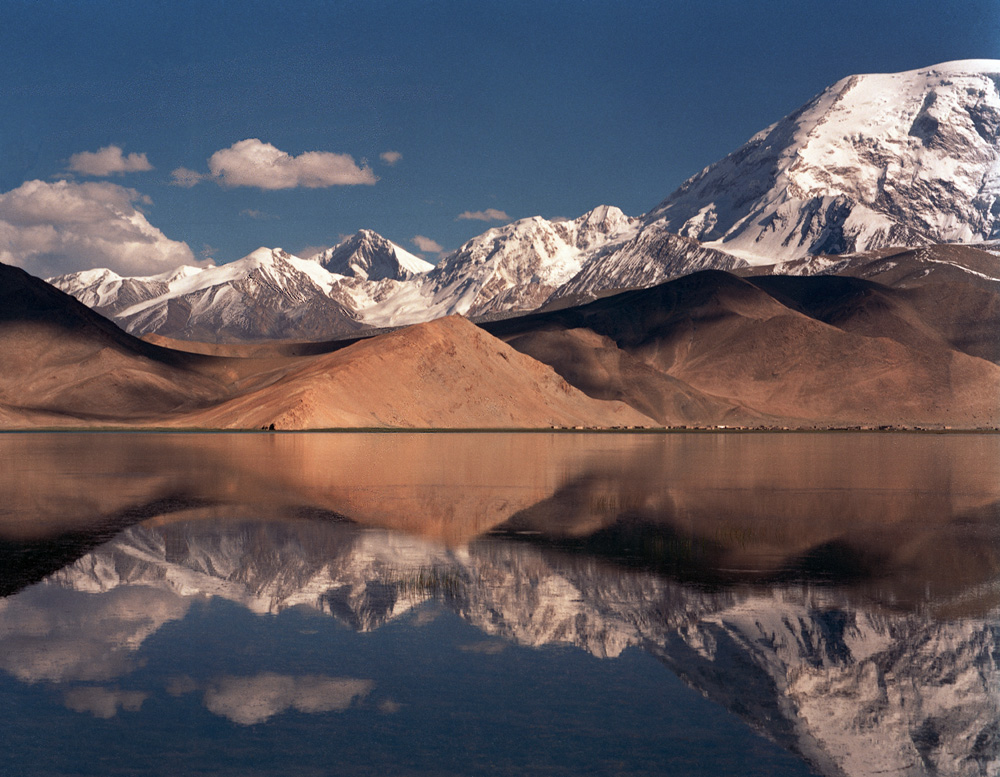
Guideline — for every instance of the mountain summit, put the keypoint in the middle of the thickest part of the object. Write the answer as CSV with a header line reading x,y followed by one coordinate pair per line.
x,y
370,256
901,159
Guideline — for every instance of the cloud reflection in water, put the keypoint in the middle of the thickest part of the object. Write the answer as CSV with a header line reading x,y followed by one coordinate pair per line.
x,y
249,700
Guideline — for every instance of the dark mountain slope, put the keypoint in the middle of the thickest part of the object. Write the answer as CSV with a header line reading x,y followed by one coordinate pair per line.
x,y
61,358
812,350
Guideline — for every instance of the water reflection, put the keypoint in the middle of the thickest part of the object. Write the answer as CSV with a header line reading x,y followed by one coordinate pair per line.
x,y
249,700
838,593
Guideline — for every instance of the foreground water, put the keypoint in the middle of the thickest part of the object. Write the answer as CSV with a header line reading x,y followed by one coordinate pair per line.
x,y
500,604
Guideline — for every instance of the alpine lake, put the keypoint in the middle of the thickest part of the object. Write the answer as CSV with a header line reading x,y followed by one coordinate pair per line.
x,y
499,603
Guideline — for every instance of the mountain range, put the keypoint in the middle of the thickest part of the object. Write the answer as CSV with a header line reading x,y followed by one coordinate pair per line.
x,y
875,161
368,282
707,349
840,269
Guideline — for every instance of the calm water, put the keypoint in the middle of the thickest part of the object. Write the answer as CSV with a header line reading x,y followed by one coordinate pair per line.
x,y
453,604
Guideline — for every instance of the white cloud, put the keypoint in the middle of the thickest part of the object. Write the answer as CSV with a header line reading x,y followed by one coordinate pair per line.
x,y
426,244
390,157
187,178
252,162
490,214
108,161
103,702
60,227
249,700
256,215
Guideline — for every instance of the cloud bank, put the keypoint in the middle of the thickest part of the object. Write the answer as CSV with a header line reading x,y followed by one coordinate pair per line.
x,y
257,164
60,227
109,160
490,214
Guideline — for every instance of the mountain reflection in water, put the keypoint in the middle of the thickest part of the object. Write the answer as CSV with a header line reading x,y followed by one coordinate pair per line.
x,y
838,593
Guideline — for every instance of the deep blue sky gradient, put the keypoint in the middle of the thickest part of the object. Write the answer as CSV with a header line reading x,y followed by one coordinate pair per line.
x,y
544,107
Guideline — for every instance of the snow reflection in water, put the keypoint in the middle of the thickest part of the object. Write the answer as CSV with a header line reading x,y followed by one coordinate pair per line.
x,y
836,592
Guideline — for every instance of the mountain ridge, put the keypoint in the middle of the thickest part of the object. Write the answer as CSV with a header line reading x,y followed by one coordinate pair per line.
x,y
369,282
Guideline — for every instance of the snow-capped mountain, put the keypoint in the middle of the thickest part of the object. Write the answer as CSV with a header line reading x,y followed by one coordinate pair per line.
x,y
904,159
516,267
651,256
901,159
370,256
534,262
268,294
368,281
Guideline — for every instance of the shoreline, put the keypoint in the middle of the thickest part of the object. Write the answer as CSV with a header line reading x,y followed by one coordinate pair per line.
x,y
503,430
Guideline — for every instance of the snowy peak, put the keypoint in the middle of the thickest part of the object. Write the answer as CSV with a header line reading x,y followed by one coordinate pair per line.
x,y
604,219
542,251
370,256
603,224
264,257
517,267
875,160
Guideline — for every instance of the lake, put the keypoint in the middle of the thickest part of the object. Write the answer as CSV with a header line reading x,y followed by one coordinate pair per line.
x,y
497,604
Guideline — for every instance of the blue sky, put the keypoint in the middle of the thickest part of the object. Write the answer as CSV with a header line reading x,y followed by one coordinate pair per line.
x,y
409,114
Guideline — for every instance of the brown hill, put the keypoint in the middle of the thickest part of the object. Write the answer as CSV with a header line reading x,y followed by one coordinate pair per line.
x,y
65,364
706,349
954,289
445,373
799,351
